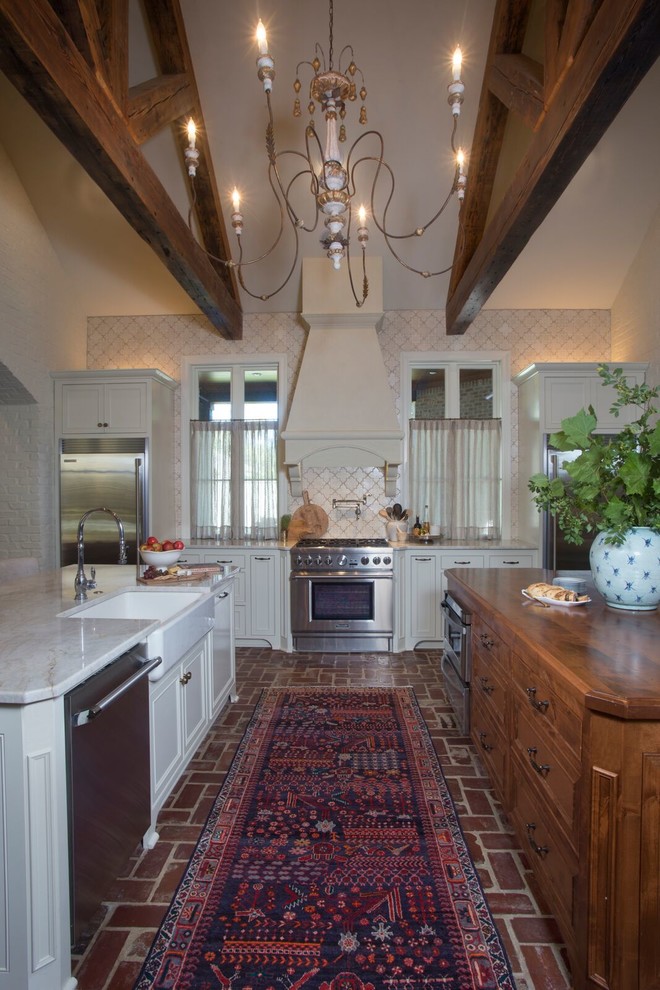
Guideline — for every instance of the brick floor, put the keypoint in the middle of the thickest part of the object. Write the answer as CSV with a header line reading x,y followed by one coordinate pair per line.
x,y
137,901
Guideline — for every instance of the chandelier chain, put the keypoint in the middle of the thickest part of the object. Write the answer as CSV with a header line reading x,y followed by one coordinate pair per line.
x,y
331,31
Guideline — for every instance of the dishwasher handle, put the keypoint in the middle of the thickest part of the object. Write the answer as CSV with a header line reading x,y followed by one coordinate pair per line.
x,y
89,714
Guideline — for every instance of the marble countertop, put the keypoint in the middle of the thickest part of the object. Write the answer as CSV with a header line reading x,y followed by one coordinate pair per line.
x,y
43,655
435,541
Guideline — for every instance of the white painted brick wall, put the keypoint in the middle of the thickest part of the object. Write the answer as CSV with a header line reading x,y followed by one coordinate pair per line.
x,y
636,309
41,329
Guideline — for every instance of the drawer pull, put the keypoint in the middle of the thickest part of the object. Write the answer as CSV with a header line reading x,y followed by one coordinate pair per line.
x,y
463,563
513,563
539,850
186,677
484,744
485,686
540,706
542,768
486,641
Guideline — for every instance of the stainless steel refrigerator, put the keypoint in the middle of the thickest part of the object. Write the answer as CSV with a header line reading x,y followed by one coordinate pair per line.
x,y
558,554
102,471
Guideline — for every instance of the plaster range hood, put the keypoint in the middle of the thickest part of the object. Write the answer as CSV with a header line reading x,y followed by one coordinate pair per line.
x,y
342,412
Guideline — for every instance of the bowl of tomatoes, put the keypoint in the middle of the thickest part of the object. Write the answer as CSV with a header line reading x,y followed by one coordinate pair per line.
x,y
161,554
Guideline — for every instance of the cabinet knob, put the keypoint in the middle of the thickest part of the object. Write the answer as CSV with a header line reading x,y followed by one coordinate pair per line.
x,y
540,706
186,677
541,768
486,641
485,686
484,744
539,850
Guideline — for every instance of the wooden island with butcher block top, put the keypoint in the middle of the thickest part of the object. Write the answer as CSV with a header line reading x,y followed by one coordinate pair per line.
x,y
565,707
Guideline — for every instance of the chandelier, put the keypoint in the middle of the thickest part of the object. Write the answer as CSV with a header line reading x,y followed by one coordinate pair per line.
x,y
329,173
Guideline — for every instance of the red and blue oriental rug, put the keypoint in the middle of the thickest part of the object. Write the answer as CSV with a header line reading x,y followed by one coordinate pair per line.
x,y
333,859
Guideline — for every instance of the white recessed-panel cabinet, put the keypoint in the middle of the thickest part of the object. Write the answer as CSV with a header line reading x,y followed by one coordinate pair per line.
x,y
179,718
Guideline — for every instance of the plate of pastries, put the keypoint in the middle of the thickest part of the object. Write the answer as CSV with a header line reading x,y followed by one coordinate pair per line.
x,y
554,594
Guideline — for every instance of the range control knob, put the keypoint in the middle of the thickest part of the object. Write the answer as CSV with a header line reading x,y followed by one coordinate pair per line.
x,y
299,561
328,560
342,560
308,561
364,560
376,560
318,560
387,560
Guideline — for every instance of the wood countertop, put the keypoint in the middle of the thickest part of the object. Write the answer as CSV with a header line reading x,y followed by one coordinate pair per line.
x,y
610,655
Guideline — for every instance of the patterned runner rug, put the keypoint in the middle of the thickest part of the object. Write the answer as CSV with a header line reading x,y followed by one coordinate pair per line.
x,y
332,859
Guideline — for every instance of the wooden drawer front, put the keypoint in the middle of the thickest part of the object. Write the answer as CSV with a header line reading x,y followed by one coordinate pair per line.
x,y
512,559
554,776
550,854
489,644
487,684
533,692
491,745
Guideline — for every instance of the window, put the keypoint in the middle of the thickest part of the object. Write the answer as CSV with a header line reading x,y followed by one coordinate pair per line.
x,y
233,444
458,429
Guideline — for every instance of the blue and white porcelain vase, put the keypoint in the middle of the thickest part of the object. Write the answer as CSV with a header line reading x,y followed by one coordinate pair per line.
x,y
628,576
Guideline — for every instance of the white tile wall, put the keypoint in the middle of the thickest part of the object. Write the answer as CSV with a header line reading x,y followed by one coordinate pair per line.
x,y
529,335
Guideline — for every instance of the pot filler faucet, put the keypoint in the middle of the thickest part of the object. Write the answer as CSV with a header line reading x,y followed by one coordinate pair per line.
x,y
81,583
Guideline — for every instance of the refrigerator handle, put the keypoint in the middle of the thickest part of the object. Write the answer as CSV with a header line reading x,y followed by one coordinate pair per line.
x,y
139,536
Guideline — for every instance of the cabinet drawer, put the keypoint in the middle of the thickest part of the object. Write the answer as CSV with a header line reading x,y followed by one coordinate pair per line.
x,y
512,559
533,692
549,772
551,856
461,559
491,746
488,685
488,644
230,559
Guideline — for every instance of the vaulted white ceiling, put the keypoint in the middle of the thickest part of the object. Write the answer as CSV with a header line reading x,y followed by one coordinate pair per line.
x,y
577,258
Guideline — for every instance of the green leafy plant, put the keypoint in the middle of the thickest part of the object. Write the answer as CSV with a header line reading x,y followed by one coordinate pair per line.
x,y
614,483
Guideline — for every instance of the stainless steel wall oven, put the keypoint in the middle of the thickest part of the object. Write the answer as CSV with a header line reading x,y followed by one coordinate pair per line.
x,y
457,658
341,596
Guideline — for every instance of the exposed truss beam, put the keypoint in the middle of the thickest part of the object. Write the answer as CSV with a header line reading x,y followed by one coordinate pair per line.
x,y
69,59
601,51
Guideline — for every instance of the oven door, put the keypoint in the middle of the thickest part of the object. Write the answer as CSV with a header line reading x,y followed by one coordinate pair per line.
x,y
457,642
345,611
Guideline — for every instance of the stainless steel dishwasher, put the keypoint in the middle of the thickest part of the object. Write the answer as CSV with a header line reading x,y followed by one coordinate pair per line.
x,y
109,794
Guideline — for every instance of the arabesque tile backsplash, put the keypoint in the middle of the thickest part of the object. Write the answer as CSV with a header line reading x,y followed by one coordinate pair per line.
x,y
528,335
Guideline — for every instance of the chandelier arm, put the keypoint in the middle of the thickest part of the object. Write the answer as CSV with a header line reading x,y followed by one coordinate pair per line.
x,y
240,264
365,282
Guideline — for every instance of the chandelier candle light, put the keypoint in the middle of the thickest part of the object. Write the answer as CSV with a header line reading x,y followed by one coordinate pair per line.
x,y
331,176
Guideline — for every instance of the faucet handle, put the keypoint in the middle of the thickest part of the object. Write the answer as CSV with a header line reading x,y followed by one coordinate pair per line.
x,y
91,583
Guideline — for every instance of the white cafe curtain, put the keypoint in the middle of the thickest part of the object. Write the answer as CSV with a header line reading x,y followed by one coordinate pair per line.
x,y
233,480
455,470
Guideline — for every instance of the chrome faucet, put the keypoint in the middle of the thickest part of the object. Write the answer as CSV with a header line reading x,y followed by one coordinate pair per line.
x,y
81,583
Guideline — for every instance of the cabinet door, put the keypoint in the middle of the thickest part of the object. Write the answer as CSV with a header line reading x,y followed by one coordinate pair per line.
x,y
564,396
424,601
264,596
127,407
193,683
166,734
222,668
83,409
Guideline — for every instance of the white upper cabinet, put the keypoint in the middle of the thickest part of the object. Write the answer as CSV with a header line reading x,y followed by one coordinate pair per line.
x,y
551,392
118,402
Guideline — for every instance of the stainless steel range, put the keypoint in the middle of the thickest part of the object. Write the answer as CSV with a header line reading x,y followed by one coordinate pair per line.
x,y
342,595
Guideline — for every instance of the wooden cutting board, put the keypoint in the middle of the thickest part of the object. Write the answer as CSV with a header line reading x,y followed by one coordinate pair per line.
x,y
308,520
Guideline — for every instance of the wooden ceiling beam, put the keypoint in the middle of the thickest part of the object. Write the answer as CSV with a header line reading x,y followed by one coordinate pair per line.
x,y
619,46
156,103
39,57
517,82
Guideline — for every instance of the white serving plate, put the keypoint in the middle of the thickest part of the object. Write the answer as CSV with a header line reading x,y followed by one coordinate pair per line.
x,y
553,601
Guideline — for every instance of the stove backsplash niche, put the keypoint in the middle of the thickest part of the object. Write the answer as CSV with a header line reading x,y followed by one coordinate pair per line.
x,y
324,484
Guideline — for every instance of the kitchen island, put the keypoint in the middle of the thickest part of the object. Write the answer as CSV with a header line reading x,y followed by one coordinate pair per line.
x,y
46,654
565,704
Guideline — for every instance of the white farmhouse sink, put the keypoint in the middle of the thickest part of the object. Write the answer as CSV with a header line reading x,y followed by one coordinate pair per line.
x,y
185,616
136,605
